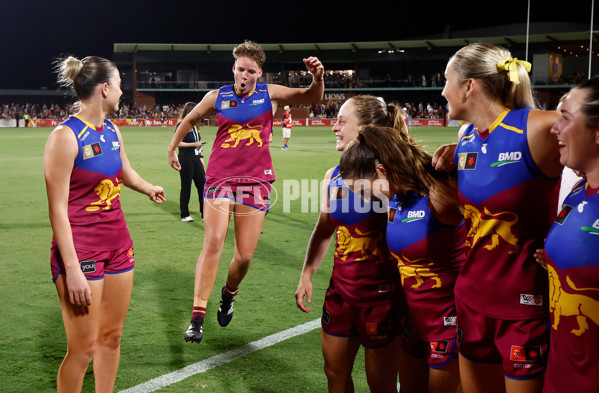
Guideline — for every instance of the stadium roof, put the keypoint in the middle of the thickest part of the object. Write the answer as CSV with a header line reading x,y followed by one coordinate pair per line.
x,y
428,43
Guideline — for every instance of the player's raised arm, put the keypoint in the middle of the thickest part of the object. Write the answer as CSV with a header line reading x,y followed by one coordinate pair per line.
x,y
297,96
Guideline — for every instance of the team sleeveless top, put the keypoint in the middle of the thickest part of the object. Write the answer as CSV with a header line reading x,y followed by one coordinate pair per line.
x,y
571,253
430,256
363,273
94,207
509,206
240,153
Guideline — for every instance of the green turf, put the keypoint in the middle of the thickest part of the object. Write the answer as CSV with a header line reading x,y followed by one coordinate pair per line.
x,y
32,340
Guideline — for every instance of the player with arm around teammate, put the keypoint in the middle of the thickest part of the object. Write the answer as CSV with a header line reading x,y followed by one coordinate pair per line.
x,y
571,250
364,304
240,172
508,182
92,258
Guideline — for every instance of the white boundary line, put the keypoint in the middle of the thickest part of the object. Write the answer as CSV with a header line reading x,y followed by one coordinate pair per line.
x,y
220,359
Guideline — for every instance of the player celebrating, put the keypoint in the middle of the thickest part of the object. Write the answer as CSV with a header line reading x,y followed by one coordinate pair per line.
x,y
240,171
364,302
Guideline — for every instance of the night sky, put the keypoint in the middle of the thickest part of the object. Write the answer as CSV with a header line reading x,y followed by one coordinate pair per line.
x,y
33,33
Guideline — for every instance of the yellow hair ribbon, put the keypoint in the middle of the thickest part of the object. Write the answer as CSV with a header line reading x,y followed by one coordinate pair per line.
x,y
511,66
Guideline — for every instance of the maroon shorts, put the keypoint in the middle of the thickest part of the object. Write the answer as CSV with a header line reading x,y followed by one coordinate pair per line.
x,y
95,264
376,325
520,345
256,195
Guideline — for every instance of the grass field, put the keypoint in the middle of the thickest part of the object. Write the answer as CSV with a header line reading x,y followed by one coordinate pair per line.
x,y
32,340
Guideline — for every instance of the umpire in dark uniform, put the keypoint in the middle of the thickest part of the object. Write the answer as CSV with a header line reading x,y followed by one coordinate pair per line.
x,y
192,166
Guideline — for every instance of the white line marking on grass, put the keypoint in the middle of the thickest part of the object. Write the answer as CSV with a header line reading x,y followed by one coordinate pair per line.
x,y
220,359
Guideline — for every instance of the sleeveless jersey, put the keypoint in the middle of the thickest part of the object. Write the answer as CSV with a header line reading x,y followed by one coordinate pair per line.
x,y
240,153
363,273
571,251
430,256
94,207
509,206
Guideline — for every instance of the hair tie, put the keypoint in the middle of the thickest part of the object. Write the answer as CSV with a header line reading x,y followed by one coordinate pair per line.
x,y
511,66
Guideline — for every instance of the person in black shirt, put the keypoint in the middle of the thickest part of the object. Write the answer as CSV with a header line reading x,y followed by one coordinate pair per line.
x,y
192,166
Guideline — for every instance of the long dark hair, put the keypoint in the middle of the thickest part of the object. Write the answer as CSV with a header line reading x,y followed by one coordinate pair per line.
x,y
407,164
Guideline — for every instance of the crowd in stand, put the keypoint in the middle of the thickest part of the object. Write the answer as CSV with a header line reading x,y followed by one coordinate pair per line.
x,y
54,111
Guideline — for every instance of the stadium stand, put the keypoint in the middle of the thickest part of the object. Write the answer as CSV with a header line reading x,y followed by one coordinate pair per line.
x,y
159,78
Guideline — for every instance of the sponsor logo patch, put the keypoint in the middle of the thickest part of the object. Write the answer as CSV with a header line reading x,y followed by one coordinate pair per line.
x,y
467,160
372,328
439,346
391,212
525,354
92,150
531,300
88,266
211,190
229,104
339,192
326,316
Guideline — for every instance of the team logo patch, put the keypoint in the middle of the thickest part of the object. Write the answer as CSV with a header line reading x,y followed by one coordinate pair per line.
x,y
525,354
130,253
88,266
439,346
229,104
339,192
92,150
391,213
372,328
531,300
563,214
467,160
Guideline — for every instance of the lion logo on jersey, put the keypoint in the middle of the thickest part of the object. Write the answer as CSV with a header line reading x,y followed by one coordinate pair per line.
x,y
364,243
237,134
491,226
419,269
564,304
106,191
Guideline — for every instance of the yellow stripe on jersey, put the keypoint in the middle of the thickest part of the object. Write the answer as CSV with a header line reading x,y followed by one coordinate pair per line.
x,y
82,131
499,119
510,128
